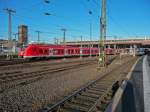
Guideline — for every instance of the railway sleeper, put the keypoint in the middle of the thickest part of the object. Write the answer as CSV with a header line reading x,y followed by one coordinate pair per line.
x,y
102,104
103,83
68,109
96,93
95,96
101,107
9,73
107,80
82,102
77,107
100,89
85,98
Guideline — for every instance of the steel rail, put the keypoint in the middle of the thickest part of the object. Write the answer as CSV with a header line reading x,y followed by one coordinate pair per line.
x,y
37,65
10,77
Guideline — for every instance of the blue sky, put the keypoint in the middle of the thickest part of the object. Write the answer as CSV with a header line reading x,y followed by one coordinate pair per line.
x,y
124,18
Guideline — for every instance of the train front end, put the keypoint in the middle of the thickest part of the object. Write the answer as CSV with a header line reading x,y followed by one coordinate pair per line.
x,y
23,51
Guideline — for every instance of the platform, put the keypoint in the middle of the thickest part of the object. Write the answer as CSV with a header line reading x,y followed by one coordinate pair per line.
x,y
146,83
134,94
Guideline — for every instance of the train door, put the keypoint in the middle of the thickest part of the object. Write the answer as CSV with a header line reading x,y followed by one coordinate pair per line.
x,y
65,51
51,52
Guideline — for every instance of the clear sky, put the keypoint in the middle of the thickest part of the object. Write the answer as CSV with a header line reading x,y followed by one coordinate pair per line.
x,y
124,18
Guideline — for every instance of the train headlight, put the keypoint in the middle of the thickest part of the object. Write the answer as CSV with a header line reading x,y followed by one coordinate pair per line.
x,y
100,59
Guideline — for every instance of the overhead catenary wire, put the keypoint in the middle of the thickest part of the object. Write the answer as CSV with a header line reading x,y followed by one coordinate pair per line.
x,y
26,18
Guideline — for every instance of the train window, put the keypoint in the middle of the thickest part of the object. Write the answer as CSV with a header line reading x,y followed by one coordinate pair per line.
x,y
72,51
46,51
34,49
41,51
62,51
77,51
55,51
50,50
69,52
58,51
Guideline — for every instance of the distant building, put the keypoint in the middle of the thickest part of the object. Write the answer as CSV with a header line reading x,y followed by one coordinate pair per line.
x,y
6,46
23,34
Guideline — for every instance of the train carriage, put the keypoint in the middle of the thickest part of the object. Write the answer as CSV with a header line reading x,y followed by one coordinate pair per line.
x,y
110,51
53,51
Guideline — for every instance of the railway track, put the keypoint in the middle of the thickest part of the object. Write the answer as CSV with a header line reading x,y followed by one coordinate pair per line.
x,y
17,75
21,61
45,64
13,62
26,78
42,64
92,97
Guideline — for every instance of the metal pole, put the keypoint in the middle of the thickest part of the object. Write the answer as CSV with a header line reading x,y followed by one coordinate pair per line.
x,y
81,49
64,40
2,48
9,11
38,33
90,38
38,37
9,25
15,34
64,35
15,41
56,41
102,34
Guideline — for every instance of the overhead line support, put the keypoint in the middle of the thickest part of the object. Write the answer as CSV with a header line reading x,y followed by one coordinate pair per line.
x,y
102,55
9,12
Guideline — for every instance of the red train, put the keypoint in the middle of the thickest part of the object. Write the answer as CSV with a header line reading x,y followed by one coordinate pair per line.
x,y
110,51
49,51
